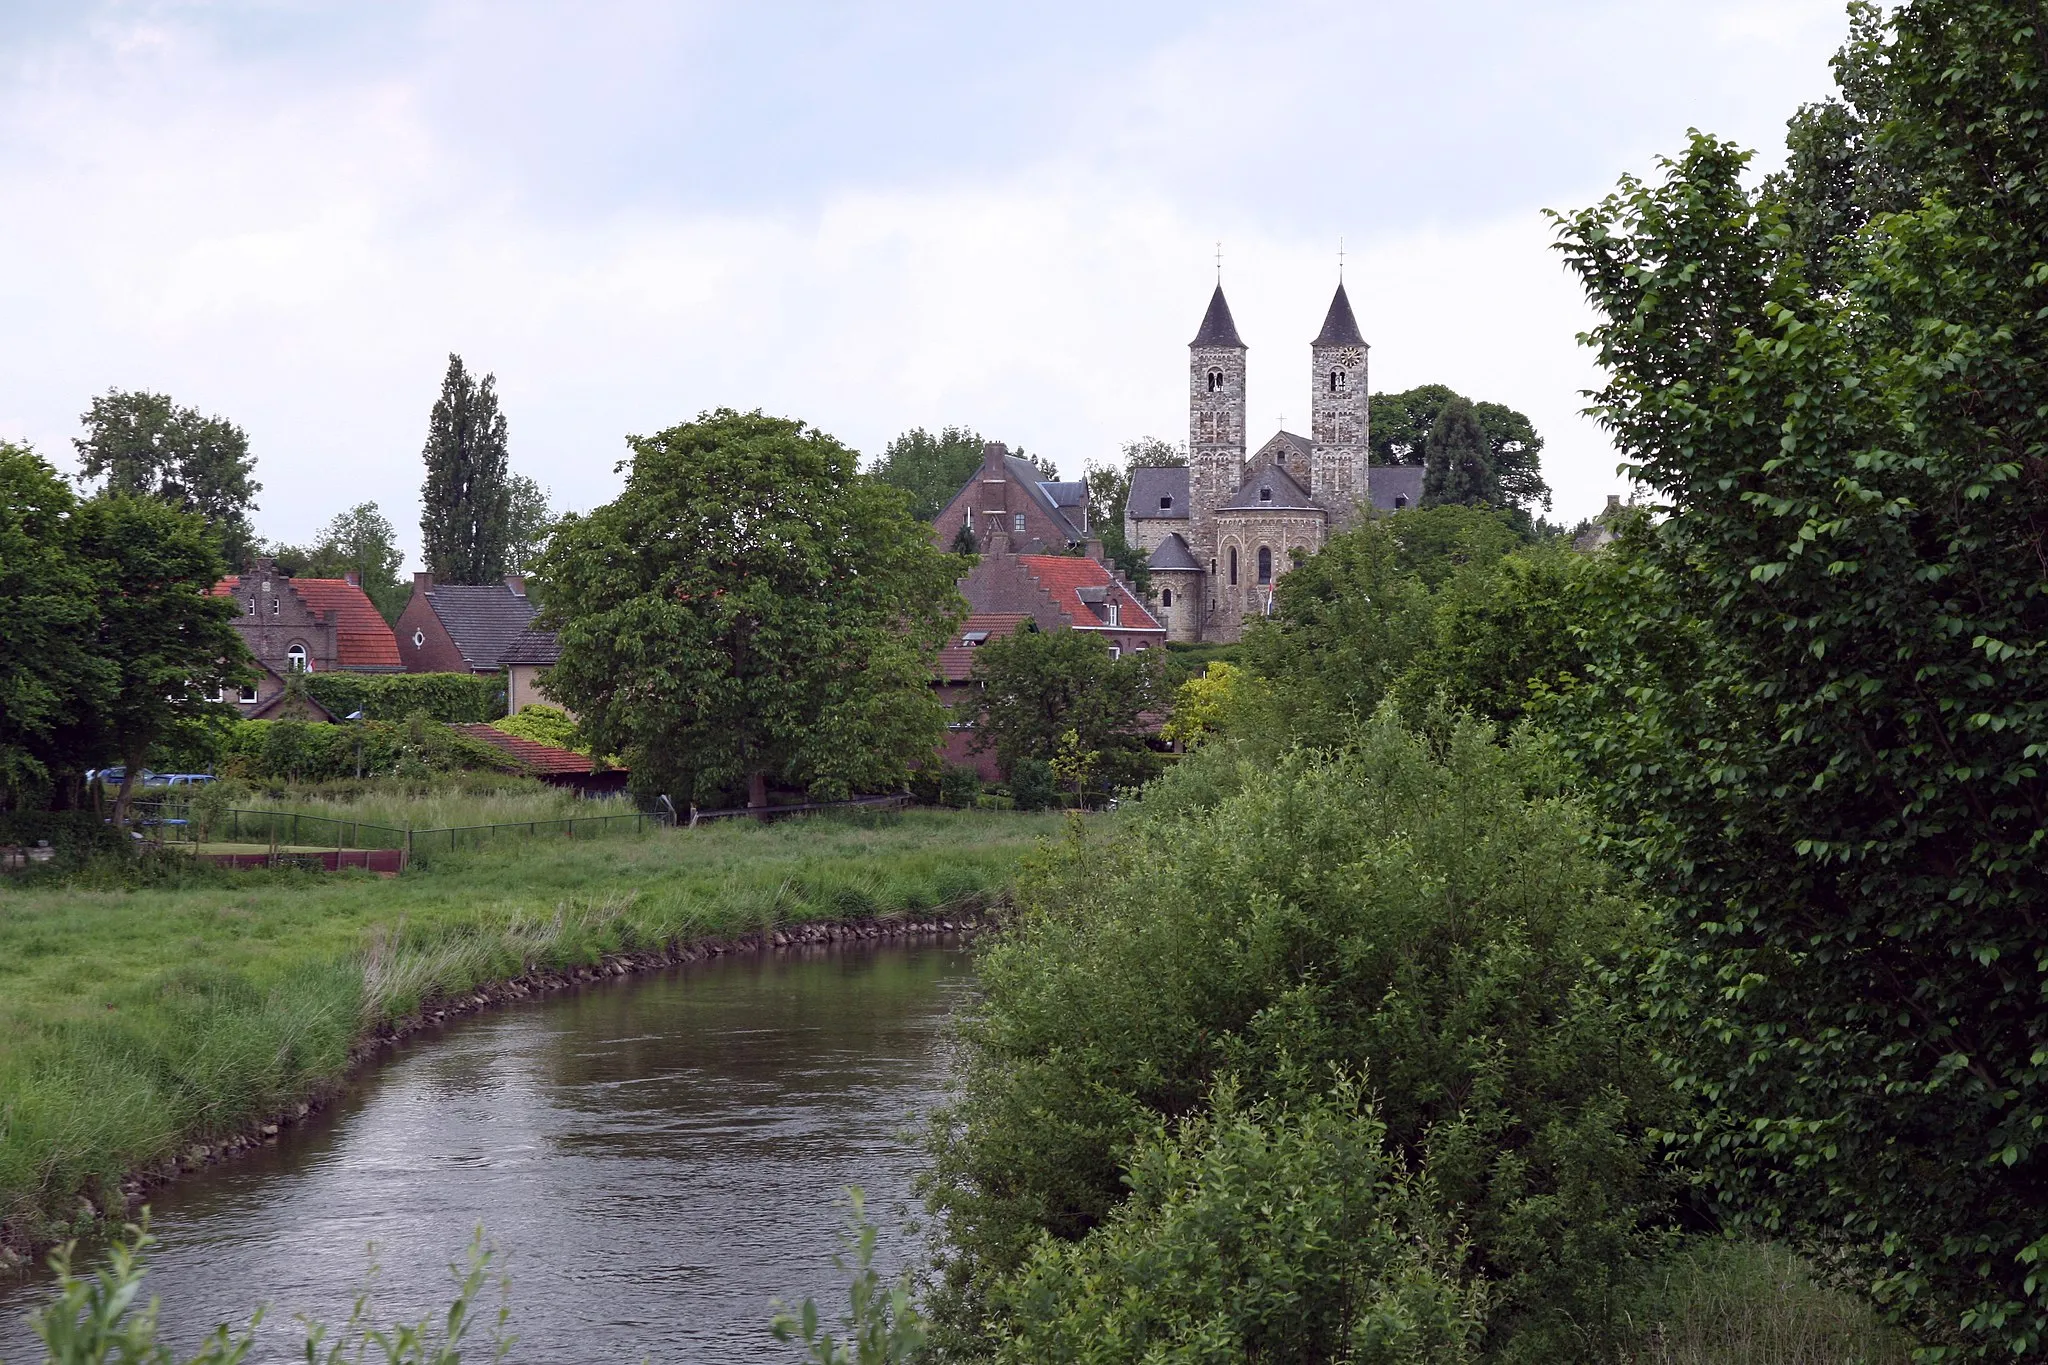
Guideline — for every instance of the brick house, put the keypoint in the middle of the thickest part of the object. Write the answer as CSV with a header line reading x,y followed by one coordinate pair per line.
x,y
304,625
1008,496
462,627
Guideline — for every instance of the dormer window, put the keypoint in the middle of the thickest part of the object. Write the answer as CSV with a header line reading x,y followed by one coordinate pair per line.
x,y
1400,501
1166,503
1215,381
295,659
1265,495
974,637
1336,381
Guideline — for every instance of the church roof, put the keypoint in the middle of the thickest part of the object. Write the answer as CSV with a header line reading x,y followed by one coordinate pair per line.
x,y
1271,489
1339,327
1393,487
1159,494
1283,444
1218,329
1173,553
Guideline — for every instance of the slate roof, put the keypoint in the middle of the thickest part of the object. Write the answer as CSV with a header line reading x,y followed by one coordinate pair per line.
x,y
1023,471
1340,328
956,660
1148,486
1173,553
362,638
1289,443
1065,576
1287,495
534,647
1394,486
1218,327
482,618
539,759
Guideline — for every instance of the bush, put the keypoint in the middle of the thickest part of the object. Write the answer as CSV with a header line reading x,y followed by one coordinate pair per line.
x,y
76,835
451,698
298,751
1031,785
544,725
1424,914
959,785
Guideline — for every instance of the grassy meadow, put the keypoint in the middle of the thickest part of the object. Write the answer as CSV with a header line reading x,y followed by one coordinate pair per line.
x,y
136,1021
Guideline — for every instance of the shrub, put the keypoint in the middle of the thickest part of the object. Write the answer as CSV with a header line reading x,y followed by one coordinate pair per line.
x,y
544,725
1031,785
298,751
452,698
959,785
1423,913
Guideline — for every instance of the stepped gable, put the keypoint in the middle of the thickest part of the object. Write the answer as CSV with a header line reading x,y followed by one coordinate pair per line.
x,y
363,639
1218,327
1173,555
1159,494
1340,328
1066,578
1271,489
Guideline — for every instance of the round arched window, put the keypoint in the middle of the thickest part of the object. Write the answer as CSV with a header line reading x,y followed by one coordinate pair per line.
x,y
1166,597
1265,564
295,659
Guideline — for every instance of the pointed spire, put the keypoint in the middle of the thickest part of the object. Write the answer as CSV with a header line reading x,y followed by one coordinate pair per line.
x,y
1339,327
1217,327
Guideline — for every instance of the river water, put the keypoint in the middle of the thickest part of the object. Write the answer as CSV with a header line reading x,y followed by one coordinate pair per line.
x,y
657,1159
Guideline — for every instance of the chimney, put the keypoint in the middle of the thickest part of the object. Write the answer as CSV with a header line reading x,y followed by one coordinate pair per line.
x,y
352,578
1613,503
422,580
998,542
993,454
1094,550
517,583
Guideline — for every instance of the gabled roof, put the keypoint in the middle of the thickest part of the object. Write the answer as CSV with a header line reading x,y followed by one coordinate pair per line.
x,y
1394,487
539,759
956,660
534,647
1072,493
1066,577
482,618
1339,327
1148,486
1282,493
1024,472
1284,443
1218,327
362,638
1173,554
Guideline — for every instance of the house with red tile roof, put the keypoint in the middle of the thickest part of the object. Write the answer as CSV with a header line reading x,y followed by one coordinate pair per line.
x,y
305,625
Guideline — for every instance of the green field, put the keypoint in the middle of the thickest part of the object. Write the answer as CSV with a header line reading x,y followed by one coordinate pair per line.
x,y
134,1022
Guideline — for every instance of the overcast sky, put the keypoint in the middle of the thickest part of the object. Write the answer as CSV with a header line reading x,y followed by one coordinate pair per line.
x,y
869,216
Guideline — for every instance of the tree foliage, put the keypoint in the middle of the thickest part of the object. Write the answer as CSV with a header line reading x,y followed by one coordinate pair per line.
x,y
48,606
929,468
1401,423
465,501
361,541
1038,687
750,608
1457,461
145,446
528,518
1818,688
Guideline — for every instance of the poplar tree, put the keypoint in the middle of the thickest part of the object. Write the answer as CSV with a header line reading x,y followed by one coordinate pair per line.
x,y
465,532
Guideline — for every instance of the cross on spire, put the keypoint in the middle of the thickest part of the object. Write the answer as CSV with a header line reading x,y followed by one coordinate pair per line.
x,y
1219,263
1340,261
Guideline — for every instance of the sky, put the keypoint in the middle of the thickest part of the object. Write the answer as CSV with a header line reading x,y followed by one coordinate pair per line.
x,y
868,216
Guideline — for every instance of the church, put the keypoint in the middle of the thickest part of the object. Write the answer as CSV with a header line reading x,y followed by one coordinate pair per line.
x,y
1218,533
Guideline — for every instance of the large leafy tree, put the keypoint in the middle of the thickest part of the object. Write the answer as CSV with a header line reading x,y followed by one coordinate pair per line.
x,y
1401,423
930,469
1039,687
1458,463
361,541
465,503
528,518
143,445
48,675
1815,711
750,609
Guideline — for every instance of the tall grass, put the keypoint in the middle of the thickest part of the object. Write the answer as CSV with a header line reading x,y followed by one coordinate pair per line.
x,y
1748,1303
437,806
134,1022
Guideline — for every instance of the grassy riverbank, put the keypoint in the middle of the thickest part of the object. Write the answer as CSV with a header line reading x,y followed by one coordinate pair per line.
x,y
134,1022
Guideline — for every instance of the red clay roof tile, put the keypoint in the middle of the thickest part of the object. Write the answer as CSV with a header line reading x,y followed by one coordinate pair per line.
x,y
362,638
1061,575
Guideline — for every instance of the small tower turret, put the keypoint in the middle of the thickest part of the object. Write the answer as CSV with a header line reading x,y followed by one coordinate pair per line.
x,y
1341,422
1216,422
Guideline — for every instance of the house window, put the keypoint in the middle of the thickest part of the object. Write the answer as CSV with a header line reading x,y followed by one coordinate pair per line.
x,y
1017,522
1215,381
1166,503
248,695
1265,564
1265,495
274,605
1233,566
295,659
252,606
1166,597
419,639
1115,654
1336,381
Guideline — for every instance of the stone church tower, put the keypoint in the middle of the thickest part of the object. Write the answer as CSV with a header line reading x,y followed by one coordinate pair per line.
x,y
1216,422
1340,421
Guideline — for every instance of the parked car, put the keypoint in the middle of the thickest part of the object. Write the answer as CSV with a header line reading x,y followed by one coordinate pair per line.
x,y
186,780
112,776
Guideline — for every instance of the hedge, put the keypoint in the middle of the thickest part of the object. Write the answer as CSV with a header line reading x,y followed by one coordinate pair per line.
x,y
299,751
452,698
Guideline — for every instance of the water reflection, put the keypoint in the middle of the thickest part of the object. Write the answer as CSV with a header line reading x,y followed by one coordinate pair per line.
x,y
658,1158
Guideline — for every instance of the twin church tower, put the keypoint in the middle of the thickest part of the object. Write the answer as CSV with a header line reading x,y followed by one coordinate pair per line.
x,y
1221,531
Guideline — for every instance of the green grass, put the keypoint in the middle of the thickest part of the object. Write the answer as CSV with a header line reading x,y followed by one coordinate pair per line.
x,y
134,1022
1743,1303
444,807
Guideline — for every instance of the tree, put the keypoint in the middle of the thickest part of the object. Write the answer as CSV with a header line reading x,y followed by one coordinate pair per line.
x,y
168,646
48,673
1401,423
465,505
1458,459
931,469
1154,452
1038,687
1109,491
143,445
361,541
750,609
528,518
1817,689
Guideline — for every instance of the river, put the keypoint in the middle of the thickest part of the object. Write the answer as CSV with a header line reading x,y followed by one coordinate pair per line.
x,y
657,1159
